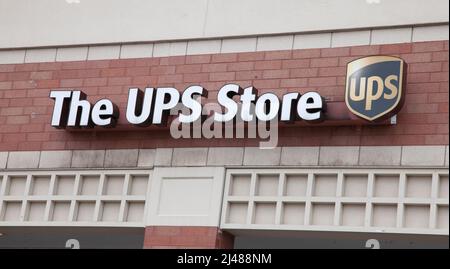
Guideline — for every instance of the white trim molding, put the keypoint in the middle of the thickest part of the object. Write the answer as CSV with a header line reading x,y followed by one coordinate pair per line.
x,y
106,198
408,201
324,156
227,45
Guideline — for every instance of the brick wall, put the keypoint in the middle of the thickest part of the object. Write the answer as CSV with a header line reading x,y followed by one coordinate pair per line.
x,y
187,237
25,108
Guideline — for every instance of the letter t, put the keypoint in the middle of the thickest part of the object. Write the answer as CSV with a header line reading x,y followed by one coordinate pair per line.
x,y
60,109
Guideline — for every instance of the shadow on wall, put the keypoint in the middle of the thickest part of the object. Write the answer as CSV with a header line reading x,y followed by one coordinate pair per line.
x,y
57,237
327,240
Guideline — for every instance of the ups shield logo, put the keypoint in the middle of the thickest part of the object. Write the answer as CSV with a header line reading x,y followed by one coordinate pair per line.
x,y
374,87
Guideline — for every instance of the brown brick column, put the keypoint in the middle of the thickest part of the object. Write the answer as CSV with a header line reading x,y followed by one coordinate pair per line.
x,y
187,237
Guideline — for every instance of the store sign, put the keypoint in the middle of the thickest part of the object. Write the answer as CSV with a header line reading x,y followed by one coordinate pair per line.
x,y
153,105
374,87
374,91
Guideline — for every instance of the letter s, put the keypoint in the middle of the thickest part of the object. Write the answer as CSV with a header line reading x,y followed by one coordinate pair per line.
x,y
371,96
391,87
188,101
224,97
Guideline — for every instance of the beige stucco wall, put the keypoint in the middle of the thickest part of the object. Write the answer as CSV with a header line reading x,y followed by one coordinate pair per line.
x,y
31,23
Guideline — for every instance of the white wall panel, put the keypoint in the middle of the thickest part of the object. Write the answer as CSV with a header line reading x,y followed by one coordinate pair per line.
x,y
30,23
409,201
74,198
186,196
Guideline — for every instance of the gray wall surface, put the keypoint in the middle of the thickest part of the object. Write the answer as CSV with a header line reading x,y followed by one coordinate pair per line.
x,y
35,23
56,237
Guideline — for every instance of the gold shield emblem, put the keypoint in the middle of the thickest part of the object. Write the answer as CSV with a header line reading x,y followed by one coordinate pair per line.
x,y
374,87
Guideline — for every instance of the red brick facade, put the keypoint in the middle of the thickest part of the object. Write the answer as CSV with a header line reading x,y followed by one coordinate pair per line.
x,y
187,237
25,108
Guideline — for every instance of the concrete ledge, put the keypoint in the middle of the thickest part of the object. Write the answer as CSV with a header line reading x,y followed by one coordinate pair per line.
x,y
337,156
189,156
71,54
227,45
121,158
267,43
204,46
23,159
364,156
423,155
225,156
391,36
257,156
146,158
88,158
40,55
103,52
163,157
380,155
136,51
55,159
312,41
430,33
353,38
169,49
12,56
300,156
239,45
3,159
446,155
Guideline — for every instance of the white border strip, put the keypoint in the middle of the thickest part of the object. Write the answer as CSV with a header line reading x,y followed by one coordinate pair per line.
x,y
323,156
228,45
